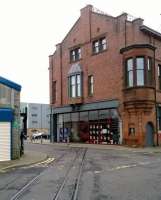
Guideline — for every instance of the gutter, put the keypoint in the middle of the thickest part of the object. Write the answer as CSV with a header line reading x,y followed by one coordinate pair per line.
x,y
150,32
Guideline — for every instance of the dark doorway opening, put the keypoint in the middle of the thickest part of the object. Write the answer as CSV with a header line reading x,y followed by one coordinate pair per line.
x,y
149,138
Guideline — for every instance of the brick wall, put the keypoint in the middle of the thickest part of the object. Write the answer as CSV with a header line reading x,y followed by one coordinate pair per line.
x,y
106,67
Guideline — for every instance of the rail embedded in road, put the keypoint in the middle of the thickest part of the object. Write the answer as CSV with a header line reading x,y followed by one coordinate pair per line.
x,y
75,166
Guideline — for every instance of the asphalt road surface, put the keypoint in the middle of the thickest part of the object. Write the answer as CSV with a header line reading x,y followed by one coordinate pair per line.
x,y
85,174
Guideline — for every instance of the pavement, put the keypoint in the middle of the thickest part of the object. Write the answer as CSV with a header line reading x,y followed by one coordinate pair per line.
x,y
32,157
29,157
101,146
113,147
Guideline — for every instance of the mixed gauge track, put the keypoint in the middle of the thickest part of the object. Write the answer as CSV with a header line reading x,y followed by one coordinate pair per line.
x,y
68,187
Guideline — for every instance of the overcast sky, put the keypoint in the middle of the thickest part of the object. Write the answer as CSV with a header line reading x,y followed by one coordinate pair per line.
x,y
29,30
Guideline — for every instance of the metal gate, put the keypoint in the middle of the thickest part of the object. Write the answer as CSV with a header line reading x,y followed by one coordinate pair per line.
x,y
104,132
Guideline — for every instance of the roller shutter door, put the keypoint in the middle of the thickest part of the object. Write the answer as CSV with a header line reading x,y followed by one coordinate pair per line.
x,y
5,141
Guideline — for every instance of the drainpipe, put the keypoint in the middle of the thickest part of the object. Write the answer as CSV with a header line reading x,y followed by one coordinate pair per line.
x,y
51,102
125,34
51,126
61,85
90,33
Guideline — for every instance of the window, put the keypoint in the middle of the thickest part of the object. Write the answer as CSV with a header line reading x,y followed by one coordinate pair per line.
x,y
149,71
95,47
93,115
99,45
130,71
132,131
75,85
139,71
83,116
67,117
78,85
90,85
104,114
75,54
34,108
159,76
34,122
75,117
53,92
5,94
34,115
159,117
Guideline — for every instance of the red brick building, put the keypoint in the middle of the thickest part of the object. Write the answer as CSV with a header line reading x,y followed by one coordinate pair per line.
x,y
105,81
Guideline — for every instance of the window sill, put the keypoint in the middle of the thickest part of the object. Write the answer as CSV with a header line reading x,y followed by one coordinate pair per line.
x,y
72,62
132,136
137,87
94,54
75,100
75,97
90,95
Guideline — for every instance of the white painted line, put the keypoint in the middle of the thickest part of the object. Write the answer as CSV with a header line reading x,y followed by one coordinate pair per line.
x,y
97,172
123,167
2,171
43,163
144,163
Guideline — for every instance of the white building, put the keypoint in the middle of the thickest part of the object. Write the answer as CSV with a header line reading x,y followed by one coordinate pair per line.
x,y
38,117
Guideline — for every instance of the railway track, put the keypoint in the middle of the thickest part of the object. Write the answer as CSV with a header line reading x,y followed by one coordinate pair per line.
x,y
77,180
75,167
